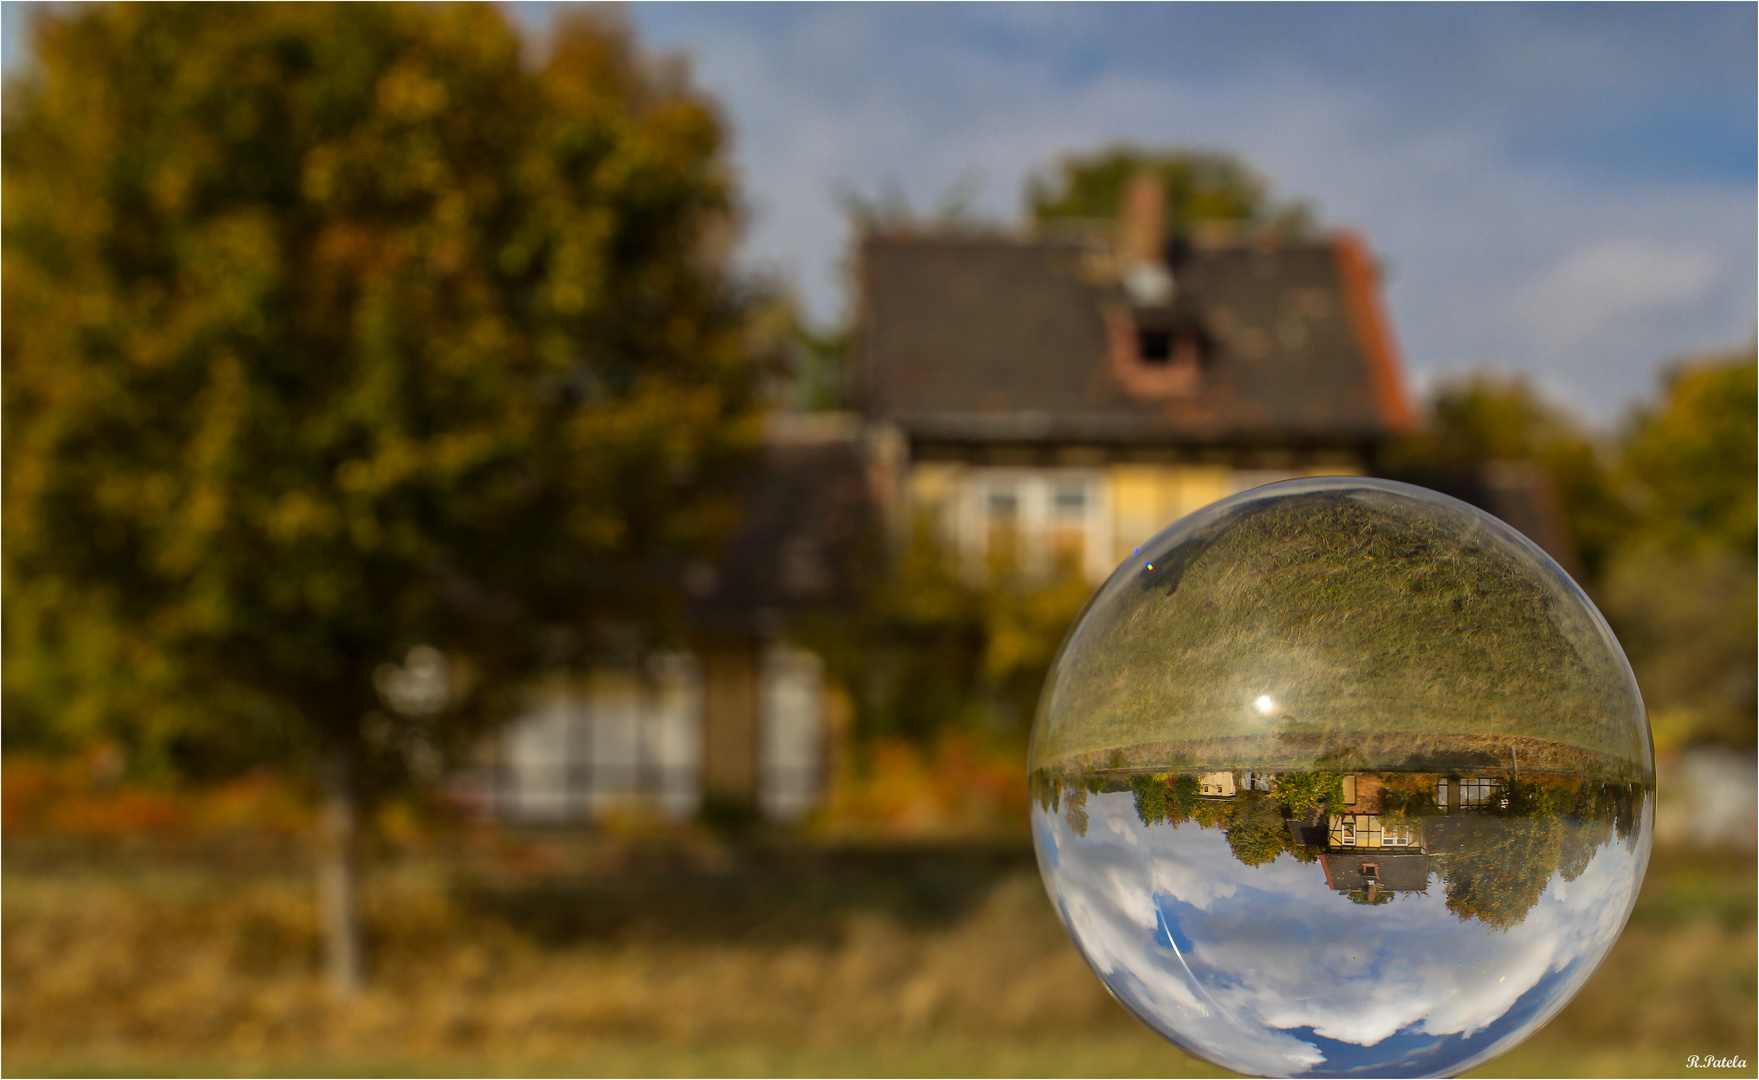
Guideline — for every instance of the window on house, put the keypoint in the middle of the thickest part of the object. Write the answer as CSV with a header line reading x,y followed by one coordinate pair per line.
x,y
1040,522
1350,832
791,692
1002,525
1154,346
1180,347
614,737
1396,836
1068,525
1370,870
1478,791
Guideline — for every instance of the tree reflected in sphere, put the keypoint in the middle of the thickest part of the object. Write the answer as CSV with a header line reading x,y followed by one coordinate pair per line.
x,y
1342,777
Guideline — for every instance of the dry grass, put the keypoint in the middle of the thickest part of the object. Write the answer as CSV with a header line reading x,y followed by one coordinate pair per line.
x,y
809,951
539,958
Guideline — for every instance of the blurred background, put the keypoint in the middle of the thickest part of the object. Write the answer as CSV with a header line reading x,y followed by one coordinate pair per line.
x,y
533,533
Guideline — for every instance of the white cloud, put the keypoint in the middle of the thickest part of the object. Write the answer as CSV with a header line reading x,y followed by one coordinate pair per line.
x,y
1591,291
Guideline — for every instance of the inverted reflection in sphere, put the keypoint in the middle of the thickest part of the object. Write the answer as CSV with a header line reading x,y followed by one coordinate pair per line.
x,y
1342,777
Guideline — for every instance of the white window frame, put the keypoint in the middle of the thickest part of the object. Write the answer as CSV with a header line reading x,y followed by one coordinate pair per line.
x,y
616,736
1035,492
791,732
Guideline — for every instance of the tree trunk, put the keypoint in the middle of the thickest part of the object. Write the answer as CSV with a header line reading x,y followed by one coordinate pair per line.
x,y
338,875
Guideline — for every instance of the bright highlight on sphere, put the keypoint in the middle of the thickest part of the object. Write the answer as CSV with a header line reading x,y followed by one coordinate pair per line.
x,y
1404,862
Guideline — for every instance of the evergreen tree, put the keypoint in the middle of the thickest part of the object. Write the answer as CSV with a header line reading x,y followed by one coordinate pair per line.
x,y
1201,187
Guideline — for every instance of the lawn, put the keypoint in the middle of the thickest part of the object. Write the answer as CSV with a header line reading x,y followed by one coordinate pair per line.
x,y
1323,624
503,954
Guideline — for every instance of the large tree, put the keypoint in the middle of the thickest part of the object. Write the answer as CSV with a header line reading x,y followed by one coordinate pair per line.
x,y
1201,187
1257,834
1499,866
1486,418
1680,587
337,335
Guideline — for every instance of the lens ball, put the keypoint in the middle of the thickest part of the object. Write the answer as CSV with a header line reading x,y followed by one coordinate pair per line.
x,y
1342,777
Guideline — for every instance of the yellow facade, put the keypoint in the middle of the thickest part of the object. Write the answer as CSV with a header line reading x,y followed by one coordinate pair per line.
x,y
1216,785
1147,498
1093,515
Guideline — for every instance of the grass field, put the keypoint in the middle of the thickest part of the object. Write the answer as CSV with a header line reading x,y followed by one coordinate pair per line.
x,y
553,956
1324,617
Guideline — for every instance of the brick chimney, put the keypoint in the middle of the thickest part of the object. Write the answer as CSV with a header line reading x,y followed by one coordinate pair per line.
x,y
1140,219
1140,261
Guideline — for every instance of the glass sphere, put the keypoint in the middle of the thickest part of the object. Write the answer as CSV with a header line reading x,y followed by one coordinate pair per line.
x,y
1342,777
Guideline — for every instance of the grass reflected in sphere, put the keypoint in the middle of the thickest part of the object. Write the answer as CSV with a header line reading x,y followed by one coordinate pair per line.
x,y
1342,777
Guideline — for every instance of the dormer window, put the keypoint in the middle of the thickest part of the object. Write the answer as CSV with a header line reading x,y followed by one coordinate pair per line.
x,y
1159,353
1154,346
1179,347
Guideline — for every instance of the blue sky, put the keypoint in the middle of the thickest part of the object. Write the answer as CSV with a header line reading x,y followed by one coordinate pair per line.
x,y
1562,191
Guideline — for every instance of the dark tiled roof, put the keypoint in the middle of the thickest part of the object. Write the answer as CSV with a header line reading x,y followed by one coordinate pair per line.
x,y
807,511
1405,871
995,339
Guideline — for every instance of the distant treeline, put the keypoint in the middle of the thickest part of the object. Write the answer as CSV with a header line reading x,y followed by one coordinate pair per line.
x,y
1495,860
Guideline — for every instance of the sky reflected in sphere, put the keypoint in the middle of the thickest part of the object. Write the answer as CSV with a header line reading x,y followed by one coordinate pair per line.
x,y
1342,777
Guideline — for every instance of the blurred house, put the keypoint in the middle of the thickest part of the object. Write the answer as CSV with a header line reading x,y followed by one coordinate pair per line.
x,y
1067,397
813,520
1708,797
1038,399
741,720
